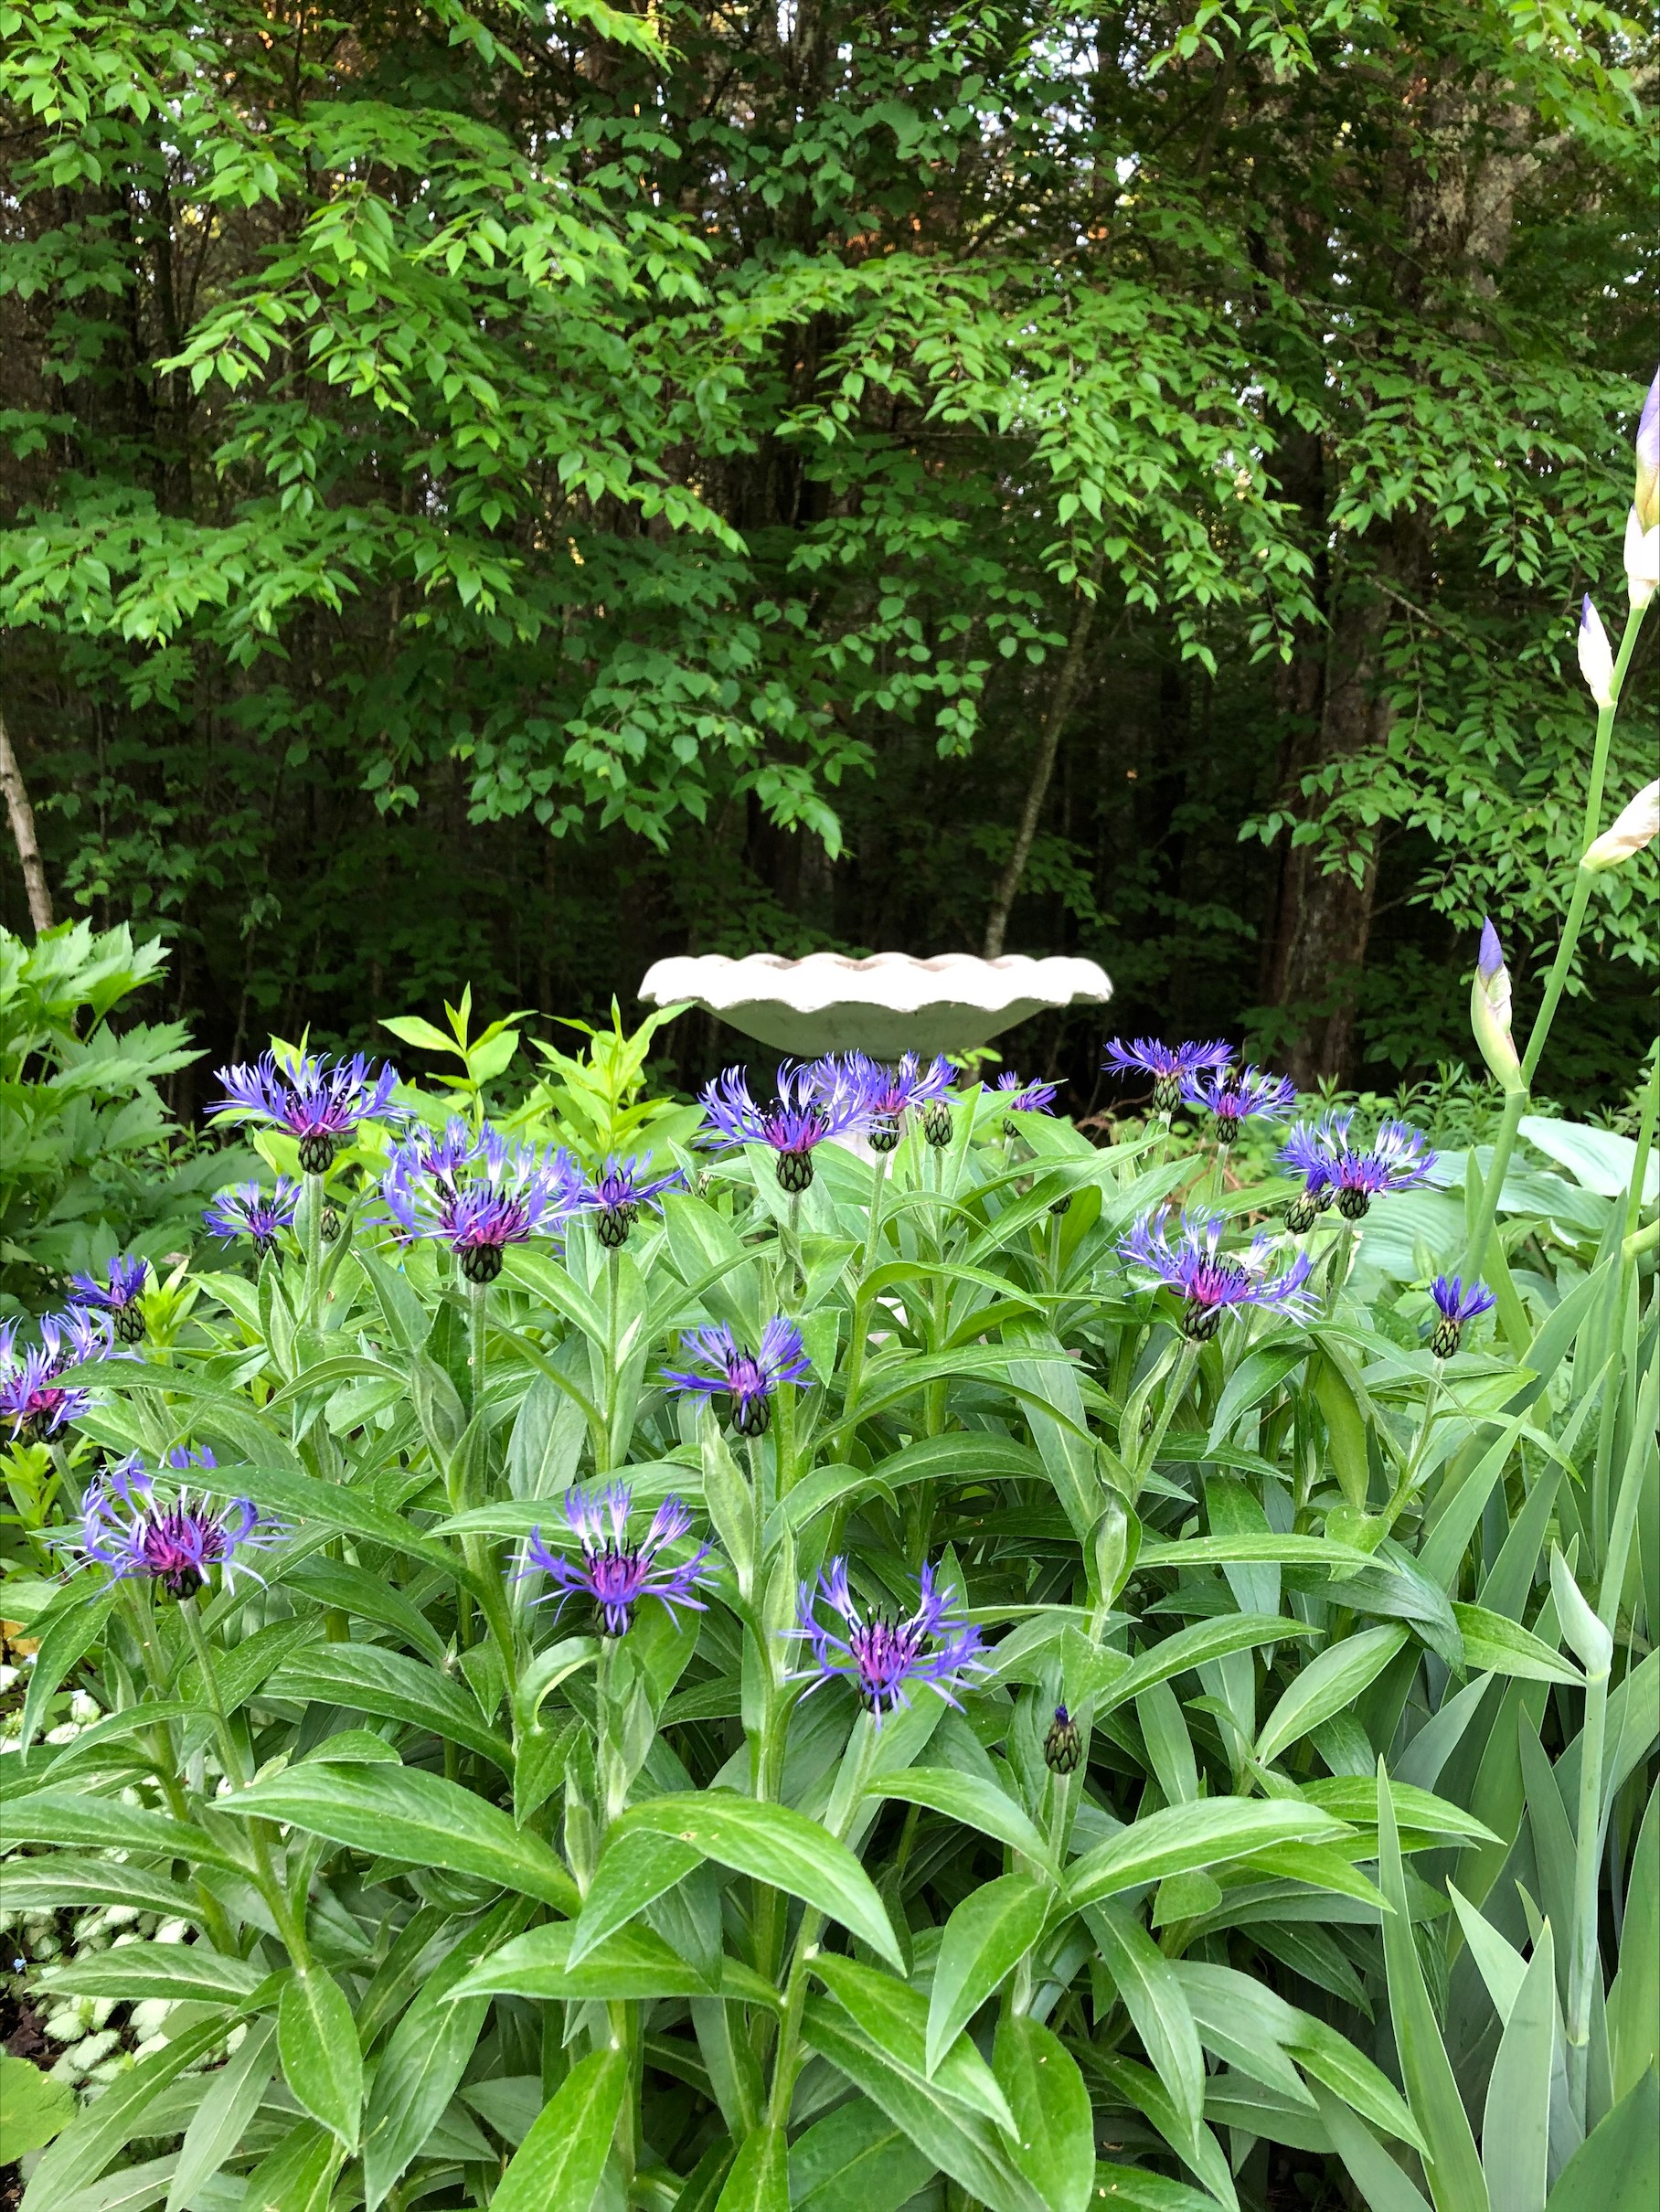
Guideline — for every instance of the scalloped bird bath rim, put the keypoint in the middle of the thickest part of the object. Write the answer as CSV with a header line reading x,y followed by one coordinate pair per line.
x,y
886,1005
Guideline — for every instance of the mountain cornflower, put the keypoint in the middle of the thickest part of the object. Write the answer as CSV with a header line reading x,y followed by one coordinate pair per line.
x,y
1314,1149
810,1107
1396,1160
1235,1094
478,1194
1025,1098
1456,1305
119,1295
747,1378
127,1528
249,1209
1168,1065
880,1655
616,1195
887,1092
1211,1285
1063,1746
611,1570
31,1397
314,1102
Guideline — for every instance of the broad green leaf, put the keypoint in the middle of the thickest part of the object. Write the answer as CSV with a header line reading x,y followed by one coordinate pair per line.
x,y
84,2149
298,2176
1139,2190
1379,2180
1329,1684
895,2017
401,1812
1450,2164
216,2128
1197,2148
1496,1645
1193,1647
318,2043
987,1934
1280,1551
759,2178
64,1639
971,1799
633,1868
1152,1993
1633,2002
55,1880
774,1844
70,1816
855,2160
560,2162
633,1962
33,2107
174,1971
1353,1799
1330,2058
1054,2140
367,1678
1617,2167
1516,2123
1184,1837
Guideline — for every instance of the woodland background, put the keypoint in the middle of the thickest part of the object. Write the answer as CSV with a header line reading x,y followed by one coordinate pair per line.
x,y
501,495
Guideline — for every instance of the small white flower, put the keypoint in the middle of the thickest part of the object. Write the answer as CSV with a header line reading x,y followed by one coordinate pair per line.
x,y
1642,559
1636,826
1596,657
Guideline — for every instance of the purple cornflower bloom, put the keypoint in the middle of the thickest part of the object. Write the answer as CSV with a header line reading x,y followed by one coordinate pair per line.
x,y
306,1096
811,1106
1235,1094
1025,1098
617,1194
1169,1065
881,1656
1314,1149
120,1295
249,1209
1396,1160
478,1194
1455,1305
31,1397
125,1527
748,1379
886,1091
613,1572
1210,1284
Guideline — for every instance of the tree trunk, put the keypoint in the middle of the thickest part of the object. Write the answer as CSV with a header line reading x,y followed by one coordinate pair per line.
x,y
1043,767
22,816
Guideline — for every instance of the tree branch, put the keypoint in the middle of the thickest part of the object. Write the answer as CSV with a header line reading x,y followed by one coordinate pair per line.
x,y
23,834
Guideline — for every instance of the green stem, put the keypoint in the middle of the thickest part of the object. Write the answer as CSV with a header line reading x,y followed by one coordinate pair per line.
x,y
1176,1390
1586,1858
1515,1106
787,2061
1337,1265
314,1248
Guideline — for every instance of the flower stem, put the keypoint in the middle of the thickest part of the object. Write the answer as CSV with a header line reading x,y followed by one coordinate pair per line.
x,y
478,1301
314,1248
1175,1390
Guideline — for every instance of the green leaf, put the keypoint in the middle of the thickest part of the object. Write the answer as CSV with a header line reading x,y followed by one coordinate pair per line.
x,y
1329,1684
367,1678
1152,1993
1516,2123
34,2108
69,1817
633,1868
84,2149
771,1844
215,2127
55,1880
1352,1798
1227,1552
298,2176
895,2018
64,1641
986,1936
318,2043
1054,2141
971,1799
1633,2002
174,1971
1138,2189
634,1962
1617,2167
1193,1647
759,2178
1380,2181
1496,1645
1180,1837
560,2162
1450,2164
401,1812
856,2160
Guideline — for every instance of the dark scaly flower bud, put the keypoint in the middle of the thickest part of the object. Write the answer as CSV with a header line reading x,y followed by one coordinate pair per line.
x,y
883,1131
937,1123
1302,1212
794,1171
1063,1746
328,1225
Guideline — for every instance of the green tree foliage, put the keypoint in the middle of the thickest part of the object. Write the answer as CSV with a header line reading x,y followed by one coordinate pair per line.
x,y
502,495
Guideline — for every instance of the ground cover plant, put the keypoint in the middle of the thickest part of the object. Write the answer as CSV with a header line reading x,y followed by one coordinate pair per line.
x,y
867,1652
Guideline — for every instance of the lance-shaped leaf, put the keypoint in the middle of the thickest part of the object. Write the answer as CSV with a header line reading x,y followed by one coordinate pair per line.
x,y
1181,1837
985,1938
1054,2141
1329,1684
971,1799
318,2043
560,2162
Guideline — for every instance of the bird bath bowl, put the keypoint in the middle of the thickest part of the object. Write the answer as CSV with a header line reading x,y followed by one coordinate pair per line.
x,y
884,1005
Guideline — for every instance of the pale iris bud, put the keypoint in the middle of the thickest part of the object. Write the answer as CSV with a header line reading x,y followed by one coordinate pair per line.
x,y
1596,658
1645,498
1490,1010
1642,559
1637,825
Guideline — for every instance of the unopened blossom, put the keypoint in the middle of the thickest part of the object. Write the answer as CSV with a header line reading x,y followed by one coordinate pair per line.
x,y
1642,557
1636,826
889,1091
1455,1305
249,1209
616,1193
1596,656
810,1108
746,1379
1210,1283
319,1102
1063,1746
1169,1065
1490,1009
614,1573
119,1295
174,1539
882,1656
478,1194
1646,490
33,1399
1235,1094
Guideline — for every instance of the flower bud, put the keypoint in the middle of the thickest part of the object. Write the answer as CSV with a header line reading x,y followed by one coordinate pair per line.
x,y
1642,559
1063,1746
937,1123
1645,498
1637,825
1490,1010
1596,656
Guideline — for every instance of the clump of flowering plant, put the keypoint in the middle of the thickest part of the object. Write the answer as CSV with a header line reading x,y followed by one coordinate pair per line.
x,y
314,1101
615,1574
1212,1284
477,1194
746,1379
883,1658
